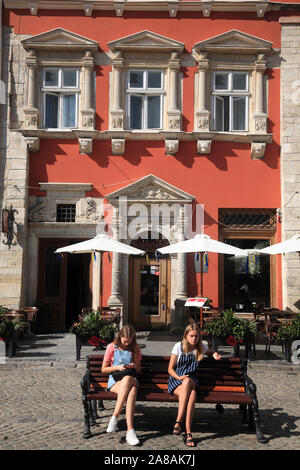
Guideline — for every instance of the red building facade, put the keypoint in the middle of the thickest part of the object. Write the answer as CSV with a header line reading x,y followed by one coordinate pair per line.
x,y
145,121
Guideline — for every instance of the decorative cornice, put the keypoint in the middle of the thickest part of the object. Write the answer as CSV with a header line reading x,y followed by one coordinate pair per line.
x,y
172,6
242,137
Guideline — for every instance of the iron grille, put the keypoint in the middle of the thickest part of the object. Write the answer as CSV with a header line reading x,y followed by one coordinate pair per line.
x,y
255,219
65,212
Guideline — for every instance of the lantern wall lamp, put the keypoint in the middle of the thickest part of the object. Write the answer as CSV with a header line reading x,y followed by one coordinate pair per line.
x,y
8,219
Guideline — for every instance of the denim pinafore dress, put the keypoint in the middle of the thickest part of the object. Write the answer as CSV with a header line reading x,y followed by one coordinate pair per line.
x,y
186,365
121,357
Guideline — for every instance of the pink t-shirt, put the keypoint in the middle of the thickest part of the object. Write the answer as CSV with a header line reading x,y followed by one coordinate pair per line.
x,y
109,354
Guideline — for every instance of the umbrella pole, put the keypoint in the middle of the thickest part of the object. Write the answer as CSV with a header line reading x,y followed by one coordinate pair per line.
x,y
201,308
101,280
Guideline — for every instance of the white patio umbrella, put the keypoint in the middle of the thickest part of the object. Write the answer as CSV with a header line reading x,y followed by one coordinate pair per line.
x,y
288,246
202,243
100,243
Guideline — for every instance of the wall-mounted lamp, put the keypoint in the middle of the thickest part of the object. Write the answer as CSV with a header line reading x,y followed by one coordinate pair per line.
x,y
8,219
279,215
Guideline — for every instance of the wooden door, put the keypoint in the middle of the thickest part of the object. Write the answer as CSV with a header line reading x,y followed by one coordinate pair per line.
x,y
149,293
52,286
64,285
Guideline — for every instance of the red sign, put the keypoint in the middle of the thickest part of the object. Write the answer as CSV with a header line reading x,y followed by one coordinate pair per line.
x,y
195,301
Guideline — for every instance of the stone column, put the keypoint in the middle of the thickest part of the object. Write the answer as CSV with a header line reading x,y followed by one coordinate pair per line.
x,y
181,260
115,298
31,113
202,113
117,112
174,114
260,117
88,112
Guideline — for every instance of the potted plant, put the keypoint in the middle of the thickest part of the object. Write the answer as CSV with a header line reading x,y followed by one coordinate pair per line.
x,y
10,331
92,329
228,330
287,333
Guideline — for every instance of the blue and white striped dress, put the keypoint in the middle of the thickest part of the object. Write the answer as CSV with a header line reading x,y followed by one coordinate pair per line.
x,y
186,365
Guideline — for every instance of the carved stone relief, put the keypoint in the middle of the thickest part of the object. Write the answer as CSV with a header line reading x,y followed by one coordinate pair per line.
x,y
258,150
172,147
203,146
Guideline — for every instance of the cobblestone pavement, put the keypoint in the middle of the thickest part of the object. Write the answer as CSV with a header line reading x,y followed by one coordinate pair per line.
x,y
41,409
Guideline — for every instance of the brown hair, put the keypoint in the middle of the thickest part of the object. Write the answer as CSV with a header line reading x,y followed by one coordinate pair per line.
x,y
127,331
199,347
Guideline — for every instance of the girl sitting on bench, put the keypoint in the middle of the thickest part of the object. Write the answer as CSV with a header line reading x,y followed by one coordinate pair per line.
x,y
183,364
122,361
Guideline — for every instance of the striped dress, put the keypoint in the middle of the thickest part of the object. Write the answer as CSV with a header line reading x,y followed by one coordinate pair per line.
x,y
186,365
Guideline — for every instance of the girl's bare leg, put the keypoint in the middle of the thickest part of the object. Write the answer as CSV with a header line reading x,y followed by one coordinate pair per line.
x,y
183,392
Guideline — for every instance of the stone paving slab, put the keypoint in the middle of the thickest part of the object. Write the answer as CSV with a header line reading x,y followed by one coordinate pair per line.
x,y
42,410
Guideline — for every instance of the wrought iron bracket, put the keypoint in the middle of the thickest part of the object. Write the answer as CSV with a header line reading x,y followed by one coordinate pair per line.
x,y
8,219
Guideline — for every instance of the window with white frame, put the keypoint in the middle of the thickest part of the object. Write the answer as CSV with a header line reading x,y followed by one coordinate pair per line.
x,y
60,97
145,92
230,95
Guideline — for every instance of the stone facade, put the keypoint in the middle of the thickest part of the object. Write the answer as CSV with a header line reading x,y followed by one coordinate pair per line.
x,y
290,156
13,171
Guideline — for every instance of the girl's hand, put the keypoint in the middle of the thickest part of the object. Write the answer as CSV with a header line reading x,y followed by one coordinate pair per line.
x,y
184,377
130,366
217,356
121,367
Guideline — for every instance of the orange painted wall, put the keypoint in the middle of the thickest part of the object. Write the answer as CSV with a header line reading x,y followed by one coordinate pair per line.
x,y
225,178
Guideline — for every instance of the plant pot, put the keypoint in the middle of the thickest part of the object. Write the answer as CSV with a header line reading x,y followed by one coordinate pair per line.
x,y
87,341
217,341
288,348
10,348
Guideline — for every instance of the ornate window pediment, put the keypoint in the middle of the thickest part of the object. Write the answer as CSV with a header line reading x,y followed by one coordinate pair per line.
x,y
144,54
146,41
230,98
151,189
60,38
60,95
234,41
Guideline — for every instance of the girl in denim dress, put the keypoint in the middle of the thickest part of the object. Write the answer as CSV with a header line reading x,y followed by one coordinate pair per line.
x,y
124,353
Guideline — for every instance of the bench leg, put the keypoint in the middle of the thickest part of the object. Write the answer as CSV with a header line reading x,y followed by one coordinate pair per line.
x,y
94,410
253,416
87,432
101,405
243,411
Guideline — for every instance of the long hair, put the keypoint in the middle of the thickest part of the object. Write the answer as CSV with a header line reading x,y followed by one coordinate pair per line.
x,y
126,332
198,347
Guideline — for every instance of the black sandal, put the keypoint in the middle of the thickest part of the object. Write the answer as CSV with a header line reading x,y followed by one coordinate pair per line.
x,y
188,439
177,429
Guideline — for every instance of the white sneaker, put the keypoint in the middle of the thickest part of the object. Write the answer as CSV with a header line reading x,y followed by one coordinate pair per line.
x,y
113,424
131,438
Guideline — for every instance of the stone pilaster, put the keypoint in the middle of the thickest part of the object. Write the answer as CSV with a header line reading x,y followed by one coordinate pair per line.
x,y
290,157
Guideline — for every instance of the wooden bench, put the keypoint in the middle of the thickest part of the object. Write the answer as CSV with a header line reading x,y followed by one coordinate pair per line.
x,y
221,382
